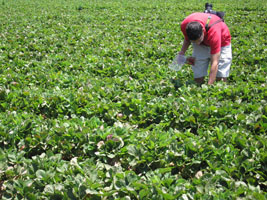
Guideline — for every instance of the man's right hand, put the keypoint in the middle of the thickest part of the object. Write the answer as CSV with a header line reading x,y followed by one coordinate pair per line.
x,y
191,60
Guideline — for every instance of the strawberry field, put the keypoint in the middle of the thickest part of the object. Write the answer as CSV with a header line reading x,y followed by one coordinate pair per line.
x,y
90,110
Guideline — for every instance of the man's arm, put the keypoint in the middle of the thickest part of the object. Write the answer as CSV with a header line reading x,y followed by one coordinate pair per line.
x,y
184,47
214,67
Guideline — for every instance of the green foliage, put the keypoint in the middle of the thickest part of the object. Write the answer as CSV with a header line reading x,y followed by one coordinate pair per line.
x,y
90,110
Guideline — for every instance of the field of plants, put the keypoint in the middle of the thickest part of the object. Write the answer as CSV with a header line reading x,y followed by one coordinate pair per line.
x,y
90,110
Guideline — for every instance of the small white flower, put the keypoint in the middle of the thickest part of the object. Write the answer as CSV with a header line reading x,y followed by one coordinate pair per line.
x,y
199,174
100,144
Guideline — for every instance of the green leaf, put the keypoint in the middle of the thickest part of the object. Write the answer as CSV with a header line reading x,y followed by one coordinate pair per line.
x,y
40,174
132,150
165,170
143,193
49,189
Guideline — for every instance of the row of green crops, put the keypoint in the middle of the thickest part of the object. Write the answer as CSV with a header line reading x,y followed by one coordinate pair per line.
x,y
90,110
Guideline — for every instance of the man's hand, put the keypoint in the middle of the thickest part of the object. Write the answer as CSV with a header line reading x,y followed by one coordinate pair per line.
x,y
214,67
191,60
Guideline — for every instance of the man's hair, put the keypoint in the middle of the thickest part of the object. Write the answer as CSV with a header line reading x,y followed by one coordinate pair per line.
x,y
193,30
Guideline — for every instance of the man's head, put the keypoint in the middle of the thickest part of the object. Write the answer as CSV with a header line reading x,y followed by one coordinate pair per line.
x,y
194,32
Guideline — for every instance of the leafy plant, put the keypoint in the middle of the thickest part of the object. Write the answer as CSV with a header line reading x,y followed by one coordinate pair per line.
x,y
90,110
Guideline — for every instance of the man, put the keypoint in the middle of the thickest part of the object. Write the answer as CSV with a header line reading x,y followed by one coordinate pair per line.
x,y
211,44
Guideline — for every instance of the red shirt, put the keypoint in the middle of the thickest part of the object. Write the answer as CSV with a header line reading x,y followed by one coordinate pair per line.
x,y
218,35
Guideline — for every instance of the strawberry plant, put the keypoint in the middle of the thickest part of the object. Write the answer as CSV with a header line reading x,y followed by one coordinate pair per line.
x,y
90,110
